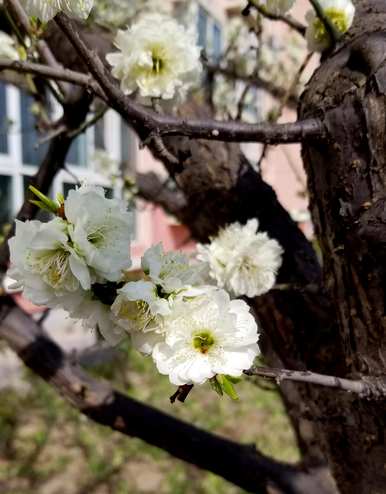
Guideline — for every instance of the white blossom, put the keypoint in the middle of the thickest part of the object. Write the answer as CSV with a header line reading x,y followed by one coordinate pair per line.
x,y
47,9
104,164
205,336
101,230
277,7
95,315
157,56
242,260
340,12
138,304
171,271
7,47
116,13
138,310
44,263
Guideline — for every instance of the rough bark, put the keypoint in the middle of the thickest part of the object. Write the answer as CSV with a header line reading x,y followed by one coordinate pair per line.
x,y
347,180
296,323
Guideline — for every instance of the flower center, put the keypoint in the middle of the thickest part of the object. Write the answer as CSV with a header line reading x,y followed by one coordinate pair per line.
x,y
157,64
202,341
52,265
137,311
337,17
97,237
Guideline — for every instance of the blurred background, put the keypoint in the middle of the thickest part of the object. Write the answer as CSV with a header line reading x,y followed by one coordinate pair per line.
x,y
45,446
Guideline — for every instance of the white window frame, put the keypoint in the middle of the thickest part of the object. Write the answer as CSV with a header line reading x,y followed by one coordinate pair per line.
x,y
12,165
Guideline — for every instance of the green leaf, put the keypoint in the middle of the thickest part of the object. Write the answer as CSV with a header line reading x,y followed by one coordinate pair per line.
x,y
49,204
227,386
232,379
40,205
60,198
216,386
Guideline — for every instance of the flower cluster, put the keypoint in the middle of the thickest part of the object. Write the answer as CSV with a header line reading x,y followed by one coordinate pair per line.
x,y
57,263
241,260
341,14
47,9
192,331
79,261
7,47
157,57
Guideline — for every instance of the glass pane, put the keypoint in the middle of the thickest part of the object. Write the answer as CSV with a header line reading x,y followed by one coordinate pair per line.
x,y
99,134
67,187
33,152
77,153
5,200
216,41
202,27
109,192
3,120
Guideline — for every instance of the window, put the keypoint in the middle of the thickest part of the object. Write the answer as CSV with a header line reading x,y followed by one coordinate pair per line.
x,y
3,120
33,151
209,33
22,152
77,154
99,134
202,26
5,199
217,48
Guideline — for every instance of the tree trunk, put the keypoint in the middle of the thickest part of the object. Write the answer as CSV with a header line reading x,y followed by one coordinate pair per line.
x,y
347,183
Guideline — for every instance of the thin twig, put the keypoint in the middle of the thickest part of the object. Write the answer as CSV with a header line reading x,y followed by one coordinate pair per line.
x,y
290,21
89,123
367,387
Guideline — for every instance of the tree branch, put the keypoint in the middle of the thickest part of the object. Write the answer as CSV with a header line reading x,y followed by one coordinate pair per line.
x,y
290,21
151,188
22,21
240,464
371,388
55,73
147,122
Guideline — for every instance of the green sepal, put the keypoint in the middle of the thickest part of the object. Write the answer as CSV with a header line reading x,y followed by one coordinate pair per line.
x,y
60,198
48,203
40,205
227,386
232,379
216,386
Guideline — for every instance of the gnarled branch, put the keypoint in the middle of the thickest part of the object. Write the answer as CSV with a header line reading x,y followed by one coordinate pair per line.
x,y
240,464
